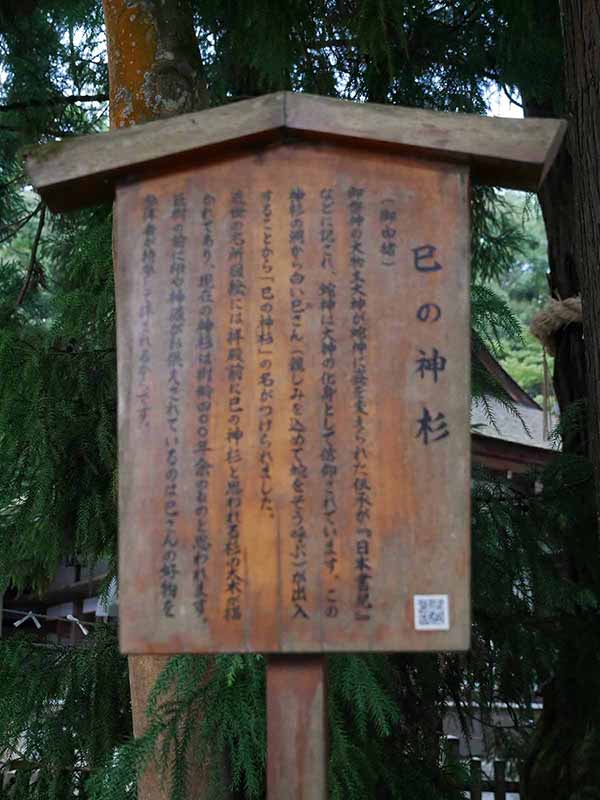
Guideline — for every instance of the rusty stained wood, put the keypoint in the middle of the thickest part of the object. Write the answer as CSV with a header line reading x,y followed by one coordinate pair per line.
x,y
153,783
514,153
297,750
293,472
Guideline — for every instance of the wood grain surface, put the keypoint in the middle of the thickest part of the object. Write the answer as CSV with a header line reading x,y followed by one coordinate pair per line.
x,y
293,350
297,752
514,153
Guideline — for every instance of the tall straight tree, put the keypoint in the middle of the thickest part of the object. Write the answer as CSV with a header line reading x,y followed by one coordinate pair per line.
x,y
555,63
581,25
155,71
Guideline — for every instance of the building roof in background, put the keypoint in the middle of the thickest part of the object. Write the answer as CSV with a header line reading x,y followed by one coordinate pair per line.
x,y
516,393
527,430
504,439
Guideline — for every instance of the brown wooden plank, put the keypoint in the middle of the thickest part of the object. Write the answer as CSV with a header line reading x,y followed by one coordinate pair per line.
x,y
79,172
238,567
296,728
266,581
153,783
502,455
513,153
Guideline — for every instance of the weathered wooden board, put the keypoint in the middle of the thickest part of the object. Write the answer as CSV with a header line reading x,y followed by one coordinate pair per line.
x,y
514,153
293,335
297,727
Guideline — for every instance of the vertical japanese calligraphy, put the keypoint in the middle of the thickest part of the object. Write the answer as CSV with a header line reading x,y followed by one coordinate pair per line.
x,y
429,428
235,376
146,310
297,427
433,364
388,217
293,371
432,429
328,298
204,398
360,382
265,346
424,257
176,320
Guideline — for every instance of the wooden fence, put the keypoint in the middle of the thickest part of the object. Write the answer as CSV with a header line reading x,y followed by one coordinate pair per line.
x,y
478,783
499,786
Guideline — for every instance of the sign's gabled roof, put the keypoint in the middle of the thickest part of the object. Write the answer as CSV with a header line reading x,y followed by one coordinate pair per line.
x,y
513,153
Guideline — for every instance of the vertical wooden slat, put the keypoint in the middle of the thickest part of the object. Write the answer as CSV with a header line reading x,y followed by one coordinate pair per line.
x,y
453,748
475,779
296,728
499,780
75,633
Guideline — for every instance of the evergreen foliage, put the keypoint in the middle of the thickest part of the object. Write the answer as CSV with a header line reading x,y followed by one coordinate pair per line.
x,y
57,406
524,285
62,709
68,709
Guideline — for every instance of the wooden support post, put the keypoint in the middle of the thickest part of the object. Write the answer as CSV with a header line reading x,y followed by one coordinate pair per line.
x,y
475,779
296,728
499,780
453,748
143,672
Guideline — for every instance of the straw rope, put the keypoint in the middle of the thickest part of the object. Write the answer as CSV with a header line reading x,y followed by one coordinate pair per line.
x,y
556,315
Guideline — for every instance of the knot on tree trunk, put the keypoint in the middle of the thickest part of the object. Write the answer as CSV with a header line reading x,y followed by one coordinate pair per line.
x,y
172,88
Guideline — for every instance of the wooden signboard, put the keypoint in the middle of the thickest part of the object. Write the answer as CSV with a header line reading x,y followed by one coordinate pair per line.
x,y
293,348
294,404
293,345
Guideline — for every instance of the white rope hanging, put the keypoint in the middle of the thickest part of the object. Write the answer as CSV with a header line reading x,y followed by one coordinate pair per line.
x,y
35,618
30,615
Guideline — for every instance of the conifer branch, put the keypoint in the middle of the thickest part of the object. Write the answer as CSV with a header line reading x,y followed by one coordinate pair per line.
x,y
17,179
15,227
95,352
511,98
55,101
33,258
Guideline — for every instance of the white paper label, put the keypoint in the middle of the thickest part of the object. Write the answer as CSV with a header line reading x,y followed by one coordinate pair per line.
x,y
432,612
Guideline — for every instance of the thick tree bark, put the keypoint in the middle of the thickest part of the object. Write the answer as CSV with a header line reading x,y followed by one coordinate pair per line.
x,y
564,761
155,71
581,25
154,64
557,202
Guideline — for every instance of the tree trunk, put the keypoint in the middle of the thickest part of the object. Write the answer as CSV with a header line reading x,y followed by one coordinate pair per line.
x,y
557,202
155,71
564,761
154,64
581,26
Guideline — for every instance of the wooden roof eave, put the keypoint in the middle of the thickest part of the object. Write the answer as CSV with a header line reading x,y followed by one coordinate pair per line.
x,y
512,153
